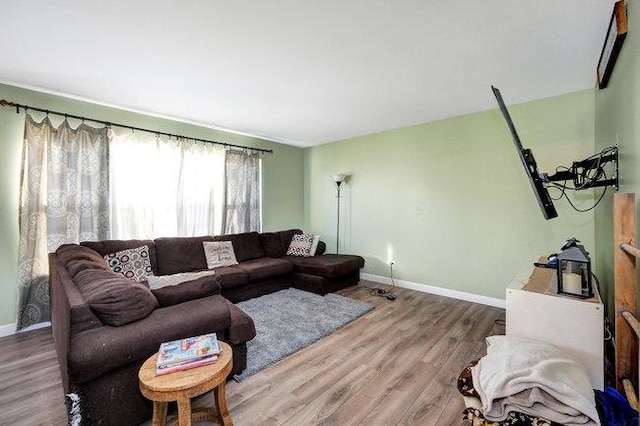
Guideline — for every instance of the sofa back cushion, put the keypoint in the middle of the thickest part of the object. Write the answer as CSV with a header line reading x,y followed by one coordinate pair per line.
x,y
112,246
114,299
180,254
78,258
185,291
246,246
276,243
322,247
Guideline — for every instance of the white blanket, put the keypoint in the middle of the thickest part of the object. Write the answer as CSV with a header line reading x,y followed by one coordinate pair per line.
x,y
534,378
159,281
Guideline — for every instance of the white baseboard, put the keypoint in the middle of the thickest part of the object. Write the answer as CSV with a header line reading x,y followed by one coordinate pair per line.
x,y
9,329
455,294
36,326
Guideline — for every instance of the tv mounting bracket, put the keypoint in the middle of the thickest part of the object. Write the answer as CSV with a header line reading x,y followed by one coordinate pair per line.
x,y
588,173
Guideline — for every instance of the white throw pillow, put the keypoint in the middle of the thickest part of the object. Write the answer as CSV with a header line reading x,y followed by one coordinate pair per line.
x,y
159,281
219,253
303,245
314,246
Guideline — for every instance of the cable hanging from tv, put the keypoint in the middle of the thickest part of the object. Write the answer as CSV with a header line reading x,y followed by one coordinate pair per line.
x,y
585,174
588,173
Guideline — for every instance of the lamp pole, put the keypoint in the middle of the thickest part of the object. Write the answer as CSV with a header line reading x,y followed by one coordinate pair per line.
x,y
338,179
338,184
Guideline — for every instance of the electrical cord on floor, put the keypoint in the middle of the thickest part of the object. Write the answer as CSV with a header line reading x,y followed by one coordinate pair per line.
x,y
376,291
381,292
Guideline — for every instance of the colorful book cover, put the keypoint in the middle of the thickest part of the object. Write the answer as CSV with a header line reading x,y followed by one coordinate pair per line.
x,y
187,350
160,371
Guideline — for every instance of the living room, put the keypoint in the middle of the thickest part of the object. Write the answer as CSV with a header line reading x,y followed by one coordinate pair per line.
x,y
446,201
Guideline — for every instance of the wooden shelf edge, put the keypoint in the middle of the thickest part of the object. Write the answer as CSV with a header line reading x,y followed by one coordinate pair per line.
x,y
633,322
630,393
632,250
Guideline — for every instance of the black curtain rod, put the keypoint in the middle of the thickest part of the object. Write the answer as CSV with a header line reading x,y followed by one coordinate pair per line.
x,y
5,103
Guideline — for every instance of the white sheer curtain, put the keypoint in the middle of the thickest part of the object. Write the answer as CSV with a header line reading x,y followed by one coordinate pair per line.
x,y
64,193
165,187
243,192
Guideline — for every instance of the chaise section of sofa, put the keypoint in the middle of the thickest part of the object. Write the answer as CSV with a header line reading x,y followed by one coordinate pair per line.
x,y
320,273
327,273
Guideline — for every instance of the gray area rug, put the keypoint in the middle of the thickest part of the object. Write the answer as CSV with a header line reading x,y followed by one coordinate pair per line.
x,y
291,319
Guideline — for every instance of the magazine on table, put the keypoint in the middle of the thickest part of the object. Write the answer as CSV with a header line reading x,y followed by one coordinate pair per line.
x,y
184,351
186,365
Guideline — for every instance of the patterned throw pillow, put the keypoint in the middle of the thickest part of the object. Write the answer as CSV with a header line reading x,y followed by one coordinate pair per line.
x,y
219,253
303,245
134,263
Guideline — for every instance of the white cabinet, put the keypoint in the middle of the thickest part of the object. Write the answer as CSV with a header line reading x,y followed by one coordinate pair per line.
x,y
534,310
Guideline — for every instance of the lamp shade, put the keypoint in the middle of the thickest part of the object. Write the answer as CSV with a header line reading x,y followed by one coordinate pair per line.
x,y
339,177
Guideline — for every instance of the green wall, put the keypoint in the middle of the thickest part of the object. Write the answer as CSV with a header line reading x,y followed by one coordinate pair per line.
x,y
618,122
448,201
282,173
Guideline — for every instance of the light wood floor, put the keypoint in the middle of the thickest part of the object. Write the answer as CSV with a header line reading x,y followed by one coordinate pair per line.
x,y
396,365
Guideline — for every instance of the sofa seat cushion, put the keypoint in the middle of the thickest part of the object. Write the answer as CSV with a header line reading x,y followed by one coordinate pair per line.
x,y
101,350
114,299
328,265
266,267
180,254
231,276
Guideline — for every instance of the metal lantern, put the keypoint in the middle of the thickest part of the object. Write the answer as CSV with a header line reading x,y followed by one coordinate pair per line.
x,y
574,273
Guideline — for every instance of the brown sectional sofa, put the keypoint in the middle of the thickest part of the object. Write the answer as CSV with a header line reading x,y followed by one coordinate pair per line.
x,y
106,326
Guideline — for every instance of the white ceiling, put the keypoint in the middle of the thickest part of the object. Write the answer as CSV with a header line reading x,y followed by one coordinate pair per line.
x,y
303,72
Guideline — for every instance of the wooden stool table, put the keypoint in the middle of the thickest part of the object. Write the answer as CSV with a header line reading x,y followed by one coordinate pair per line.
x,y
181,386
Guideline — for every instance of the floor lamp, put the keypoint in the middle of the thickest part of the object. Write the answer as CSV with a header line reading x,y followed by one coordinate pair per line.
x,y
338,179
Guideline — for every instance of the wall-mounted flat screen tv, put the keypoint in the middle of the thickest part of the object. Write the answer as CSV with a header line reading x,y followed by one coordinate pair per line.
x,y
529,163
